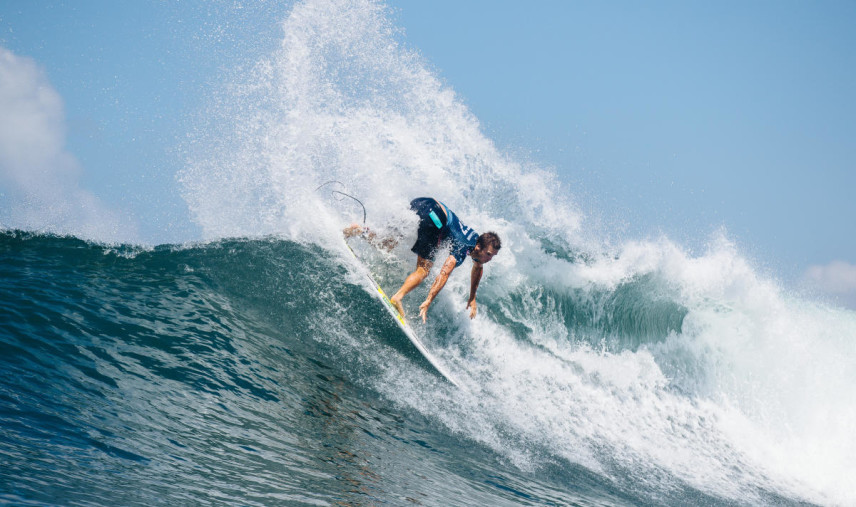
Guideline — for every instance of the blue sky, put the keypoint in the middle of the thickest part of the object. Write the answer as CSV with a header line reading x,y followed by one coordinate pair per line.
x,y
672,117
680,116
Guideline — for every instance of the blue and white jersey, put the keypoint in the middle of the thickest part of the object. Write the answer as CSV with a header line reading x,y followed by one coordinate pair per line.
x,y
462,238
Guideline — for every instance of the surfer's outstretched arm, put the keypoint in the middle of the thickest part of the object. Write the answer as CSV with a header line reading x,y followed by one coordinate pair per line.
x,y
437,286
475,278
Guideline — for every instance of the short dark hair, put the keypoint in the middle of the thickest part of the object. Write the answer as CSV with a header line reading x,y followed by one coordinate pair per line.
x,y
489,239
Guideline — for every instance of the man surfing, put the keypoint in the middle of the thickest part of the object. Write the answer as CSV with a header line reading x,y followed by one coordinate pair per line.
x,y
438,225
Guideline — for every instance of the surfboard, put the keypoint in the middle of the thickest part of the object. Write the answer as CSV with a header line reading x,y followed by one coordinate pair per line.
x,y
402,322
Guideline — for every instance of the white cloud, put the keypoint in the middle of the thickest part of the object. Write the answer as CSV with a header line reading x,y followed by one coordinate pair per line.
x,y
837,279
39,180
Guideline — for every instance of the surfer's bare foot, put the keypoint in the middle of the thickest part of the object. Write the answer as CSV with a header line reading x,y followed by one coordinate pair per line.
x,y
397,304
352,230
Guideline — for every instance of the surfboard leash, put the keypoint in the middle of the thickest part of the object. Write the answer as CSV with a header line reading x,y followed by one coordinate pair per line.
x,y
336,192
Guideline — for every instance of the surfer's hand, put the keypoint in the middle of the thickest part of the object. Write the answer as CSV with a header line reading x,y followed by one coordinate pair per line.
x,y
423,310
472,306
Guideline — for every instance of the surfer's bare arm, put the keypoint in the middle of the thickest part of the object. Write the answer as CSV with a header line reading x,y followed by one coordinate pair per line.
x,y
437,286
475,278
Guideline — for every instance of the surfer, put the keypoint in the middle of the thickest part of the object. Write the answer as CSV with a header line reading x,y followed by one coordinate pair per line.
x,y
438,225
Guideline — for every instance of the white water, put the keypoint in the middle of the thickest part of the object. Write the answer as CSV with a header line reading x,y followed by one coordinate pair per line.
x,y
755,392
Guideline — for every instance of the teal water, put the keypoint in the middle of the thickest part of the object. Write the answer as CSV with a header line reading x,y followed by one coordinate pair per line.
x,y
256,372
200,375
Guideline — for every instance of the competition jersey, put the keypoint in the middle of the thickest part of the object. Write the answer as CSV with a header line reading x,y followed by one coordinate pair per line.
x,y
462,238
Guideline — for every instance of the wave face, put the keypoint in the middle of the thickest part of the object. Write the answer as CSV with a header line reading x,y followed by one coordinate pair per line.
x,y
257,368
238,372
262,371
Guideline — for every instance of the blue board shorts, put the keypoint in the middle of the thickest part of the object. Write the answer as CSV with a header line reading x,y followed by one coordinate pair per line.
x,y
432,219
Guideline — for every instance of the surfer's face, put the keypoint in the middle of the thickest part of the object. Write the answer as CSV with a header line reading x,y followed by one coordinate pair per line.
x,y
483,255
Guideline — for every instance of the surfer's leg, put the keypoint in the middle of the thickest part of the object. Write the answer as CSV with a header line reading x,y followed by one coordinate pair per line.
x,y
423,266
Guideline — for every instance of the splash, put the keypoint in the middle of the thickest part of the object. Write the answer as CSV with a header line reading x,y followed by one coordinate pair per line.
x,y
343,99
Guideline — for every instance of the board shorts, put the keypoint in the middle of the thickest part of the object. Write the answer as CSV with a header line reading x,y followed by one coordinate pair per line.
x,y
432,219
439,224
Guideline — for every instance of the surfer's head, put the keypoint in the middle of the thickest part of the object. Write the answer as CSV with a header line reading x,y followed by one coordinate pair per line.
x,y
486,247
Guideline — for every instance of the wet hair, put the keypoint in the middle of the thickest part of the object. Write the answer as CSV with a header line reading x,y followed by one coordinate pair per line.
x,y
489,239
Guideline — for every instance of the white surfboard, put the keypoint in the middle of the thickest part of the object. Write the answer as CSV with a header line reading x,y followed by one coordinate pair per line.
x,y
402,323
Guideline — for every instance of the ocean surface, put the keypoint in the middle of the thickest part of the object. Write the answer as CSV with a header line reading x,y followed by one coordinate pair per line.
x,y
262,372
252,365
